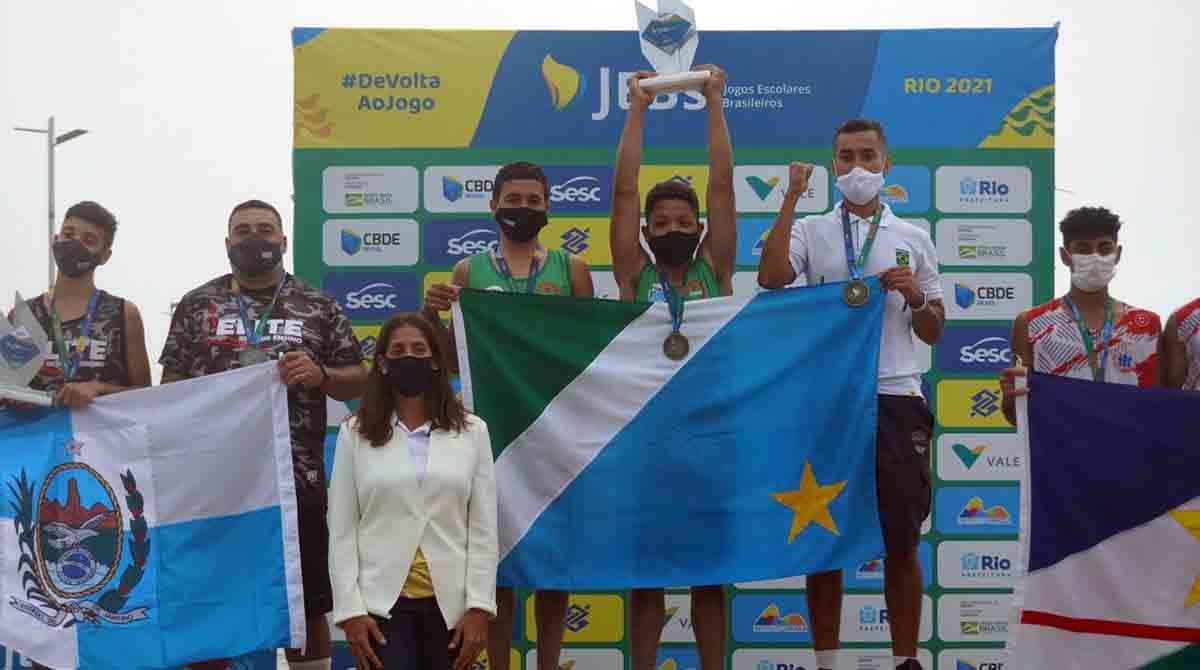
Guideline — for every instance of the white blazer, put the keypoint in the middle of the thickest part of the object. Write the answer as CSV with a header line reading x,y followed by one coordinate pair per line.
x,y
379,514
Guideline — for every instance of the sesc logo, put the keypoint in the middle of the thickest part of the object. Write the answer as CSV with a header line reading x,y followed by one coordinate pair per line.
x,y
373,296
447,242
984,189
974,350
579,190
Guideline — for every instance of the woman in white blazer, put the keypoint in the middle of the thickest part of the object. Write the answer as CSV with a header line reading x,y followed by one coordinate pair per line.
x,y
412,513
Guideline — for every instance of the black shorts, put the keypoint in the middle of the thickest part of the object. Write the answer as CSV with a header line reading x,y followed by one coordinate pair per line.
x,y
902,477
314,558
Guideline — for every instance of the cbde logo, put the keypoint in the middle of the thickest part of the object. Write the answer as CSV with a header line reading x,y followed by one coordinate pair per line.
x,y
459,188
974,350
373,296
370,242
987,296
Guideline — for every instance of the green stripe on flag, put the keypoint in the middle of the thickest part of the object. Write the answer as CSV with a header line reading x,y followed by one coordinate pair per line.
x,y
514,370
1187,658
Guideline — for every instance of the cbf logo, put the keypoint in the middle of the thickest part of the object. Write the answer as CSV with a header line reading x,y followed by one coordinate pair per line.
x,y
73,547
967,296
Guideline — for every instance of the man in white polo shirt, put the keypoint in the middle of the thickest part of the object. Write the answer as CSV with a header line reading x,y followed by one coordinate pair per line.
x,y
862,237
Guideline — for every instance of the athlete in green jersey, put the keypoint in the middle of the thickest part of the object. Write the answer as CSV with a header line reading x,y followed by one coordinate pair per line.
x,y
694,269
520,204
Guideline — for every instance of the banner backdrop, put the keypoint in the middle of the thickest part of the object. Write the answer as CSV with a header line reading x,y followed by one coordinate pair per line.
x,y
399,133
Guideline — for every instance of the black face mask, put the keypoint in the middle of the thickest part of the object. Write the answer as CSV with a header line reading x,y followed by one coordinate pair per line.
x,y
674,248
73,258
255,255
520,224
410,376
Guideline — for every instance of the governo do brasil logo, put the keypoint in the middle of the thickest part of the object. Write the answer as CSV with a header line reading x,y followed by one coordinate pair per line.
x,y
565,83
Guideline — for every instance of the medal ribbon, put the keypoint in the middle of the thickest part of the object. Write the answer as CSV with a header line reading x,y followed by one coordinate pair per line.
x,y
1098,367
857,265
674,302
506,272
70,361
254,335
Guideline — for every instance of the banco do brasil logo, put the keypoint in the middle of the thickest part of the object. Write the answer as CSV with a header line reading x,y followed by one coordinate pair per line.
x,y
565,83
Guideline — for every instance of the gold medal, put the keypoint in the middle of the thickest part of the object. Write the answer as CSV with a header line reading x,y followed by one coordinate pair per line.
x,y
856,293
81,343
676,346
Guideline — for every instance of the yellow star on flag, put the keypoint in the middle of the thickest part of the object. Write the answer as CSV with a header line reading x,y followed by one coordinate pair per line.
x,y
1190,520
810,503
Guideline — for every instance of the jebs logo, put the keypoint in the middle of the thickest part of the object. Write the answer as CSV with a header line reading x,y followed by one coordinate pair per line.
x,y
762,187
474,242
352,242
771,621
974,514
575,240
967,455
985,403
72,549
564,82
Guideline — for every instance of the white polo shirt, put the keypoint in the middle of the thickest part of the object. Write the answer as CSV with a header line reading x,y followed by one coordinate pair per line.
x,y
818,255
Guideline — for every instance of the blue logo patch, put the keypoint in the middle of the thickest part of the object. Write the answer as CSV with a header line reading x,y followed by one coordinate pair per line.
x,y
373,296
446,242
17,349
452,188
579,189
978,510
351,241
964,296
974,350
751,236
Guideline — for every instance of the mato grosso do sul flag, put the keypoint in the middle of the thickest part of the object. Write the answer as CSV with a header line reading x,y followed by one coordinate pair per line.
x,y
1111,534
155,528
753,457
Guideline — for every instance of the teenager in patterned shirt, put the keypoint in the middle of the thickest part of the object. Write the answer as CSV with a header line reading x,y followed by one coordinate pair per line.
x,y
259,313
1179,349
1086,334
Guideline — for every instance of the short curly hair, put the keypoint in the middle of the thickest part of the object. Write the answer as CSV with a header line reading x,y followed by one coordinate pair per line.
x,y
1088,223
672,189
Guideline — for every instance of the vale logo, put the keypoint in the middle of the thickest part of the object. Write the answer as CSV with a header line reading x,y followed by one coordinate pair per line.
x,y
565,83
967,455
762,187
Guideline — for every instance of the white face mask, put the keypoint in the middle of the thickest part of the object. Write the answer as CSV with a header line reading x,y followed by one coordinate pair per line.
x,y
860,186
1092,272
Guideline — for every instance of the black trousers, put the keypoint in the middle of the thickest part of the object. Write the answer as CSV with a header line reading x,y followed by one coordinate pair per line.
x,y
416,635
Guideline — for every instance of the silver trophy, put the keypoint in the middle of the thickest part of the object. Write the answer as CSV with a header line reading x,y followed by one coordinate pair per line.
x,y
669,41
23,344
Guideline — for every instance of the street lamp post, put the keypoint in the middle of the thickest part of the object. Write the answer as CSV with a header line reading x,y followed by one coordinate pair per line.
x,y
52,141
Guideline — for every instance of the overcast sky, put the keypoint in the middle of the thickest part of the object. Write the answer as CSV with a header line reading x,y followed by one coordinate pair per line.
x,y
189,105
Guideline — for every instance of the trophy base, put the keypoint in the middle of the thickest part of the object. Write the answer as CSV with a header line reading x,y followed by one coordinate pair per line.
x,y
673,83
26,395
